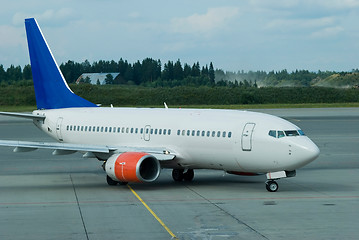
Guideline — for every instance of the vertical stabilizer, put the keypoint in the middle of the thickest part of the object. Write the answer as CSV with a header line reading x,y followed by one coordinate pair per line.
x,y
51,89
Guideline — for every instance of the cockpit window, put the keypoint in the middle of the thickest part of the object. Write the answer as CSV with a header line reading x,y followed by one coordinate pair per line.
x,y
273,133
280,134
301,133
291,133
288,133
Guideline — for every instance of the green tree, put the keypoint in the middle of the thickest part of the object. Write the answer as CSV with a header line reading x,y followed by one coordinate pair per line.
x,y
14,73
3,76
168,71
178,70
196,70
26,72
211,73
109,79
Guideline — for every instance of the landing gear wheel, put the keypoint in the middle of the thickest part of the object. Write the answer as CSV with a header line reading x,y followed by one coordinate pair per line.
x,y
177,175
272,186
110,181
188,176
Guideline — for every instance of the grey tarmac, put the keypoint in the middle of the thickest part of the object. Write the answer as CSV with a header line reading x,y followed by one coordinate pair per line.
x,y
67,197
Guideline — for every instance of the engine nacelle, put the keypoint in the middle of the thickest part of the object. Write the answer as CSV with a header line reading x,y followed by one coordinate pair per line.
x,y
133,167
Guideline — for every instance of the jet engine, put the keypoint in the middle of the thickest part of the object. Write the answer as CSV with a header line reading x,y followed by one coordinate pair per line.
x,y
133,167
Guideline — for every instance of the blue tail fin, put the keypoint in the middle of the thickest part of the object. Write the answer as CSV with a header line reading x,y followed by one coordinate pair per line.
x,y
51,89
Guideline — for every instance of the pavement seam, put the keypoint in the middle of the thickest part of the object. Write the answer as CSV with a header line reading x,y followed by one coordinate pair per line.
x,y
79,207
226,212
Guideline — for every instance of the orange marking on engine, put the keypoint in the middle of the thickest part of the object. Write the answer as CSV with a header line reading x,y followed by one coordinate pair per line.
x,y
125,166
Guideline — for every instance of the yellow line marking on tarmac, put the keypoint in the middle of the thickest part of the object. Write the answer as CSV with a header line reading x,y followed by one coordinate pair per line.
x,y
153,213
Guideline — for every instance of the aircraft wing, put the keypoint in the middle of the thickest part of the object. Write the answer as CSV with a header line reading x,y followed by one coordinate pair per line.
x,y
162,154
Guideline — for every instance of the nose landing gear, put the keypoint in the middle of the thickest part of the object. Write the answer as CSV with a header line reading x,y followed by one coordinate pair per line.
x,y
271,186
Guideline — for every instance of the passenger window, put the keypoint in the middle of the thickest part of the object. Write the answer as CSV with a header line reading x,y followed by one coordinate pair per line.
x,y
169,131
208,133
224,134
188,132
127,129
193,132
280,134
105,129
136,130
151,130
218,134
203,133
183,132
101,129
156,131
85,128
198,132
98,129
272,133
147,130
165,131
160,131
71,128
123,130
141,131
67,127
229,134
131,130
78,128
178,132
118,129
213,133
93,128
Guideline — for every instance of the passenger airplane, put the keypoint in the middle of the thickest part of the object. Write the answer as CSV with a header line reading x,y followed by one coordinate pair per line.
x,y
136,143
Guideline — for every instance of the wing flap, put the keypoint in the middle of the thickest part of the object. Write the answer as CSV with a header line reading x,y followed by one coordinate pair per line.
x,y
25,146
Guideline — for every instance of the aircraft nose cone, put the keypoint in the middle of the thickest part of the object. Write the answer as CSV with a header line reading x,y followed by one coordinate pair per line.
x,y
312,151
309,152
305,151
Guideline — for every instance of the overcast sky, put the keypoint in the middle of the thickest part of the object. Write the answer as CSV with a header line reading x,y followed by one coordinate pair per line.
x,y
234,35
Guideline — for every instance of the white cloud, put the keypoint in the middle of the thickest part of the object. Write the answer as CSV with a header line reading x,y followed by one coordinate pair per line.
x,y
327,32
300,23
339,4
214,19
49,16
11,36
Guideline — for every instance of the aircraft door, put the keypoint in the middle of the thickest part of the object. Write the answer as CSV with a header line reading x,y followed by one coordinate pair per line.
x,y
147,133
58,128
247,136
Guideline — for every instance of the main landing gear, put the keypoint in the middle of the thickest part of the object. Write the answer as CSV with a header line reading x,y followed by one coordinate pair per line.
x,y
178,175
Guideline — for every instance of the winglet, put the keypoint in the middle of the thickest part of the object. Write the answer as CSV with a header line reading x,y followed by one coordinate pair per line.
x,y
51,89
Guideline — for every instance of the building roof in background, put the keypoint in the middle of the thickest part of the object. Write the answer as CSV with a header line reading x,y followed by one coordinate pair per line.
x,y
93,77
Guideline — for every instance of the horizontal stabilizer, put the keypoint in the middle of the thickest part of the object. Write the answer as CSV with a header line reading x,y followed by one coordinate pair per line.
x,y
23,115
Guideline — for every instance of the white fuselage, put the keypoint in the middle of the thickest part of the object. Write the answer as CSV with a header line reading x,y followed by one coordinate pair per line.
x,y
229,140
